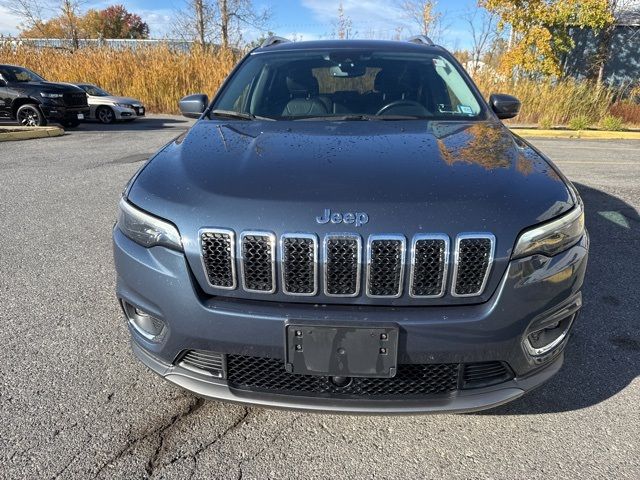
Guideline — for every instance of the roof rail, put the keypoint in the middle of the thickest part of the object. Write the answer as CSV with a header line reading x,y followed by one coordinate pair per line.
x,y
421,39
274,41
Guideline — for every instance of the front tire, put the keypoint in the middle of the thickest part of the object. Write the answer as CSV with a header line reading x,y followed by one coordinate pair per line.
x,y
105,115
29,115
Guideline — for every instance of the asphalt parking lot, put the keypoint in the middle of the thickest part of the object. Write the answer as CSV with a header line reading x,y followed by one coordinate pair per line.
x,y
75,404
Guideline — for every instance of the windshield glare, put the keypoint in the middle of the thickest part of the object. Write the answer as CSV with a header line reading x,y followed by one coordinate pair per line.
x,y
19,74
339,83
94,91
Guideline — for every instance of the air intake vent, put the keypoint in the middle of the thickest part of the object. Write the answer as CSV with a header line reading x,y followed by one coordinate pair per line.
x,y
429,261
385,265
477,375
474,256
258,262
203,362
342,265
218,256
299,264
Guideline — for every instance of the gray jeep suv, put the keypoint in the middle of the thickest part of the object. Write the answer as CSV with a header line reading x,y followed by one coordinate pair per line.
x,y
349,227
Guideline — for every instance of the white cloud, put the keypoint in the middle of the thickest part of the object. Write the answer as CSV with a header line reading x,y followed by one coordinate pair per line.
x,y
8,22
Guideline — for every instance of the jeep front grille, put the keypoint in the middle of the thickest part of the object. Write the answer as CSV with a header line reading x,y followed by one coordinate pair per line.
x,y
218,257
299,264
385,265
342,265
474,256
293,269
258,261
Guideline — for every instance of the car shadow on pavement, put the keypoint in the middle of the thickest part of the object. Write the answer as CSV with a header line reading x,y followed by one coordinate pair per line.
x,y
603,354
139,124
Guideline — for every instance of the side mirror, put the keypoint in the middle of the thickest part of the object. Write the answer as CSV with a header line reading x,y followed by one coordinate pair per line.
x,y
192,106
504,106
2,83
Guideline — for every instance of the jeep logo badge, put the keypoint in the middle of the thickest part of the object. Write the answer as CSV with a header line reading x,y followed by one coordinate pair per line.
x,y
357,218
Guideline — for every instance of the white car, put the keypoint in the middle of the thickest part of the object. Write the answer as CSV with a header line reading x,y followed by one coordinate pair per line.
x,y
108,108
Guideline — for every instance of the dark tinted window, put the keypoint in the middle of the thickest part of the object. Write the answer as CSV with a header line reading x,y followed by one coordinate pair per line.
x,y
317,83
19,74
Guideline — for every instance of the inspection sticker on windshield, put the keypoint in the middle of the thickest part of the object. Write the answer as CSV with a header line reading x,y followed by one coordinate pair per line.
x,y
465,109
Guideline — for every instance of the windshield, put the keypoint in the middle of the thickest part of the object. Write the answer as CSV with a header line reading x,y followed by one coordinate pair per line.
x,y
350,83
94,91
19,74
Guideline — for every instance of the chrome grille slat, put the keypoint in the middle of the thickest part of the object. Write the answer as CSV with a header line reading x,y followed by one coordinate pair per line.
x,y
219,257
342,265
385,265
343,258
257,261
472,265
299,257
429,265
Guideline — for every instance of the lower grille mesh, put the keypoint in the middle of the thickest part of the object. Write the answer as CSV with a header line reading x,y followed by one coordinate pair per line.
x,y
203,360
269,375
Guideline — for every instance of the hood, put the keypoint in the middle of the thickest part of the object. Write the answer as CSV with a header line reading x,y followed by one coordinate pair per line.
x,y
112,99
52,87
407,176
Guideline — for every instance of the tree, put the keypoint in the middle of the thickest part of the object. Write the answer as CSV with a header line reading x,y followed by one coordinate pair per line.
x,y
112,22
540,30
343,24
604,36
483,29
208,21
423,14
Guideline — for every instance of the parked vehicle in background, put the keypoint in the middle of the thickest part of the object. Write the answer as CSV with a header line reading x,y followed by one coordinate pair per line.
x,y
108,108
28,98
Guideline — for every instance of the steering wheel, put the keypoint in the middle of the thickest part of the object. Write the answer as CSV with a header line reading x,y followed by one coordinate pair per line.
x,y
401,104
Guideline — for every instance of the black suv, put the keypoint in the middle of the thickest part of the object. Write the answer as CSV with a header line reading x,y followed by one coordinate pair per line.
x,y
350,227
32,101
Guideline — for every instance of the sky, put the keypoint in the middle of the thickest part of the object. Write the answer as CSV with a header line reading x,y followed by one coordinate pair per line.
x,y
303,19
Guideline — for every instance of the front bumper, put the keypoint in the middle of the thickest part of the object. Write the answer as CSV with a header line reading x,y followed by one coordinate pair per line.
x,y
123,113
61,113
159,281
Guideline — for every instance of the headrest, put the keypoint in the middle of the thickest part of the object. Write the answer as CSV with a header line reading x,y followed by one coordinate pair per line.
x,y
302,83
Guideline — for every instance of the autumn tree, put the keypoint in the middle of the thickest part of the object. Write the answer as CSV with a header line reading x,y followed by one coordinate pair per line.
x,y
483,29
343,24
423,15
540,35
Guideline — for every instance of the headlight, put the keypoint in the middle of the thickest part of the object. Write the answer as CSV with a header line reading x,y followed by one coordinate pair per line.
x,y
145,229
123,105
50,95
552,237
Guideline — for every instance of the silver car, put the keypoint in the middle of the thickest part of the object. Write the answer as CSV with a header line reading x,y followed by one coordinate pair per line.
x,y
108,108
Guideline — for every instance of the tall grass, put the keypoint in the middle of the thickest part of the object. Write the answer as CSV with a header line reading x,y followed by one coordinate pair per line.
x,y
552,102
158,75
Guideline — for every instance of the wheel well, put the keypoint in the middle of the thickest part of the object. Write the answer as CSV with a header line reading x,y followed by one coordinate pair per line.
x,y
18,102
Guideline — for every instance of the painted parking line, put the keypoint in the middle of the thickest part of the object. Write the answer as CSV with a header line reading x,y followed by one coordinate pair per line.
x,y
578,162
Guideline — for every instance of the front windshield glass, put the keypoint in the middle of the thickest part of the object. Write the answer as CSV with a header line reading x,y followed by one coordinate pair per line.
x,y
19,74
344,83
94,91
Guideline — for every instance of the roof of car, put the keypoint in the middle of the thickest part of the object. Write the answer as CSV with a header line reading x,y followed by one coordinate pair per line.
x,y
399,46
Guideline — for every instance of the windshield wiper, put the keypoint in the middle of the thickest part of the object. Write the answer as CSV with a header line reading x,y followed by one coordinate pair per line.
x,y
238,115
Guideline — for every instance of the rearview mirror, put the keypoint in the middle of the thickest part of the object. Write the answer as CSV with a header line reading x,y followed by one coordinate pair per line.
x,y
504,106
192,106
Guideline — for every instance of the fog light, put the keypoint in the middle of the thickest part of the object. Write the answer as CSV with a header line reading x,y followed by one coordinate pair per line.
x,y
145,324
546,339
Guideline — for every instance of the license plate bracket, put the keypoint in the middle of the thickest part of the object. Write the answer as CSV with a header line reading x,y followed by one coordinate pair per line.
x,y
341,350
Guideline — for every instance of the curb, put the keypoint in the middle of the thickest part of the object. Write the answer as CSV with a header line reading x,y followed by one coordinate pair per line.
x,y
8,134
576,134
